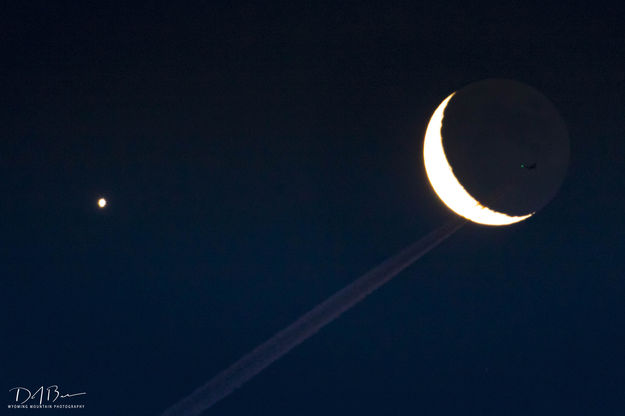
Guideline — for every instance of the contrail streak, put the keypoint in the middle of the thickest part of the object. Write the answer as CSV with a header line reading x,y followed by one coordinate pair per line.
x,y
275,347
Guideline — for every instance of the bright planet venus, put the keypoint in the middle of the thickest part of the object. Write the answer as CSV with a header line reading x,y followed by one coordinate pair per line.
x,y
101,203
495,151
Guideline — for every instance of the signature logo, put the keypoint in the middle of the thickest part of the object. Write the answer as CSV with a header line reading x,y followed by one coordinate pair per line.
x,y
42,396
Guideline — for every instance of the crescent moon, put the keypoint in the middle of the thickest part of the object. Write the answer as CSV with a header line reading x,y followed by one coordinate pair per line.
x,y
445,184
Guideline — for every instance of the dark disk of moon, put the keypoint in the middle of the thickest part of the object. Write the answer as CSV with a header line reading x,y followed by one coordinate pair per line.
x,y
507,145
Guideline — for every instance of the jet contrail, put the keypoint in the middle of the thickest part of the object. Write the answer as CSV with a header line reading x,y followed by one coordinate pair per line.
x,y
275,347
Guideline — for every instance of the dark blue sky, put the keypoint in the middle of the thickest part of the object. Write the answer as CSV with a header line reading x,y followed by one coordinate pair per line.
x,y
258,157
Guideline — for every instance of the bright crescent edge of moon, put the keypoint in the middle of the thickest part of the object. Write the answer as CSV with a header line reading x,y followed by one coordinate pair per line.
x,y
445,184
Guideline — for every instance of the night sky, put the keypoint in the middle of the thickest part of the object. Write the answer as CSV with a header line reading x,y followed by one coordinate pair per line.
x,y
257,157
